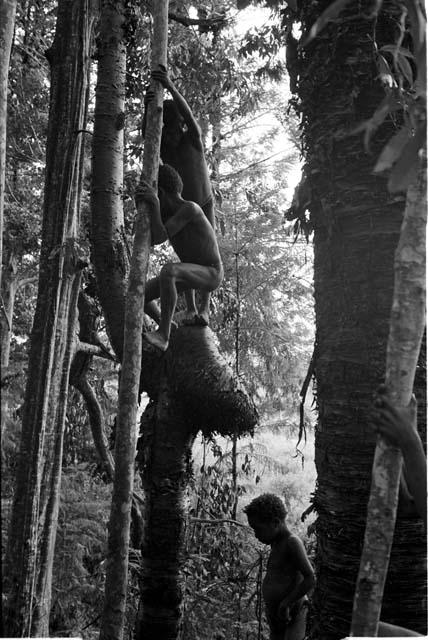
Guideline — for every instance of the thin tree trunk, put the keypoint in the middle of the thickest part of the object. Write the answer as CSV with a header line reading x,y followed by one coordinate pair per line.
x,y
404,342
34,513
113,618
7,23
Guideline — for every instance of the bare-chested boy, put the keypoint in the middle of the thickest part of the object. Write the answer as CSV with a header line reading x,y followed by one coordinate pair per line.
x,y
194,241
289,574
183,149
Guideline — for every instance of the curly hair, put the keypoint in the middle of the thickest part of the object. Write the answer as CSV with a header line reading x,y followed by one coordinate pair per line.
x,y
266,507
169,180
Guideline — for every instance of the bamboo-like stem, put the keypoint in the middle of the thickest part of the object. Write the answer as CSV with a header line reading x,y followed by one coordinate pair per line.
x,y
120,517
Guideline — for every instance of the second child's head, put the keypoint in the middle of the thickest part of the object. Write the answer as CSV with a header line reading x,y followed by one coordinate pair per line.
x,y
266,516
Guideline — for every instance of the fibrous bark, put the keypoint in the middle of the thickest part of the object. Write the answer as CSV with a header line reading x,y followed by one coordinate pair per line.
x,y
34,515
165,455
356,228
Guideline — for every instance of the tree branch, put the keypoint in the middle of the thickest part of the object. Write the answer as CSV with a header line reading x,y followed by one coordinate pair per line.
x,y
215,22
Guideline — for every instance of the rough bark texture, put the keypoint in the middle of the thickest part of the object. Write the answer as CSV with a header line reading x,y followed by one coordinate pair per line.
x,y
165,455
34,515
7,23
108,248
356,229
404,342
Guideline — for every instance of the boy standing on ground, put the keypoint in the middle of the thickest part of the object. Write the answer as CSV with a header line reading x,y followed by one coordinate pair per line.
x,y
289,574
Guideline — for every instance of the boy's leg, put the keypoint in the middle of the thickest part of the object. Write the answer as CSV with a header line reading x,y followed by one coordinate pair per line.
x,y
180,276
152,293
204,308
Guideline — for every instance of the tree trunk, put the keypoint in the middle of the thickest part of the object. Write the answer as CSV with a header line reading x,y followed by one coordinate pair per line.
x,y
405,337
35,508
108,248
165,457
7,23
356,229
116,585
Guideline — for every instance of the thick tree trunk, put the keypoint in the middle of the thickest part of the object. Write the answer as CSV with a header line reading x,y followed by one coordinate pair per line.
x,y
34,515
356,229
108,248
405,337
7,23
165,456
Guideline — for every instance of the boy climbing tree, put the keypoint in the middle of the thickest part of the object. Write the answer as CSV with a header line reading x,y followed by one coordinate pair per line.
x,y
182,147
194,241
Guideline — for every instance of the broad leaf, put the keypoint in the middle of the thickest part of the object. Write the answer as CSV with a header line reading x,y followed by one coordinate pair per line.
x,y
392,150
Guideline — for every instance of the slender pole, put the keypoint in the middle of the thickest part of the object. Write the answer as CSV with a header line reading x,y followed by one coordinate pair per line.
x,y
112,625
404,341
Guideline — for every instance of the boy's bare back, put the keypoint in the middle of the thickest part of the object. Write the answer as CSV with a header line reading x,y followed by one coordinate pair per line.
x,y
196,242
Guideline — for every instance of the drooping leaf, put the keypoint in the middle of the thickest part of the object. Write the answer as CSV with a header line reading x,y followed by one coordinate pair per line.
x,y
392,150
327,16
389,104
406,167
405,68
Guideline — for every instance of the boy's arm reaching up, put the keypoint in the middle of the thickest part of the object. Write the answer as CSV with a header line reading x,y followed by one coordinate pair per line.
x,y
162,76
302,564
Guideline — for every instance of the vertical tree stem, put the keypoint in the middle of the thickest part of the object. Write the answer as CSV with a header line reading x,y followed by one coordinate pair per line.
x,y
113,619
404,341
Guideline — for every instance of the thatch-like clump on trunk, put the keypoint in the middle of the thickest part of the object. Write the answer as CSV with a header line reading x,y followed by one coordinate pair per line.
x,y
200,379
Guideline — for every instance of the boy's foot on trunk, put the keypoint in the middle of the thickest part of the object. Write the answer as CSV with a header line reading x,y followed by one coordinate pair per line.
x,y
197,320
156,340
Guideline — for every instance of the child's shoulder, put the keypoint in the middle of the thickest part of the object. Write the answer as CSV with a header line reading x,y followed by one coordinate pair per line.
x,y
293,542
